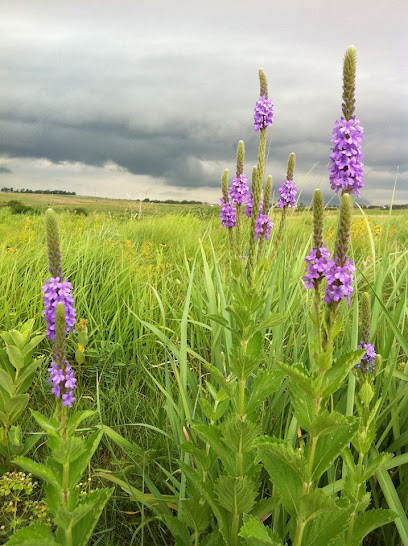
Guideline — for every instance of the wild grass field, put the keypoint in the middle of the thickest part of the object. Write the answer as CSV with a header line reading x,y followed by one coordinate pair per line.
x,y
149,288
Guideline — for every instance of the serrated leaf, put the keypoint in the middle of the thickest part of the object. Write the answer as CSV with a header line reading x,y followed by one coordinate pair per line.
x,y
327,422
50,426
325,527
236,494
196,514
34,535
330,446
212,435
86,515
303,405
272,320
286,470
39,470
256,533
313,504
77,419
369,521
299,375
265,384
374,465
334,377
66,450
265,507
76,469
238,435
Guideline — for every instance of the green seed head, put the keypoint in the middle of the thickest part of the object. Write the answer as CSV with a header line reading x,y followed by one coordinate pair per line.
x,y
224,185
318,208
349,82
365,318
267,195
263,83
291,166
343,230
54,254
240,157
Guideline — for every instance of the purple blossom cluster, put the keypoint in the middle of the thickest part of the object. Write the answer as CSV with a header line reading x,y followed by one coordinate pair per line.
x,y
63,381
239,191
339,281
339,278
263,226
249,206
57,290
288,192
317,263
228,214
366,363
263,113
346,170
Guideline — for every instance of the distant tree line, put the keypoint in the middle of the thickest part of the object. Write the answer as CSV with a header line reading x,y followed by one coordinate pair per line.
x,y
171,202
47,192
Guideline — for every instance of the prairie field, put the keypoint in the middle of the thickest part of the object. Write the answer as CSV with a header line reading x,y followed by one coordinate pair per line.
x,y
149,279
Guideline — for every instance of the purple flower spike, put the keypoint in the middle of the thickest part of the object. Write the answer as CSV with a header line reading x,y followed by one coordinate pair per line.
x,y
249,205
263,227
346,170
57,290
288,192
339,281
317,264
366,363
263,113
239,191
228,215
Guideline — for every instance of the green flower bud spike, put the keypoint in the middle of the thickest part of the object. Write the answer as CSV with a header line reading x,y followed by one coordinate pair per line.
x,y
240,157
224,185
318,209
349,82
365,318
54,254
291,166
267,195
343,231
263,83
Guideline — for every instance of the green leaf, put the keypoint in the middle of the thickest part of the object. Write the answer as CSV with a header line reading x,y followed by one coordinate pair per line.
x,y
265,384
327,422
178,529
325,527
34,535
50,426
236,494
265,507
299,376
256,534
330,446
196,514
238,434
76,469
313,504
26,378
39,470
334,377
303,405
17,338
86,515
6,382
212,435
16,405
16,356
369,521
77,419
32,344
272,320
66,450
285,467
374,465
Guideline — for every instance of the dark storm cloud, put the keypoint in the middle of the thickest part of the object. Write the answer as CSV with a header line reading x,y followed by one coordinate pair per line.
x,y
5,170
93,84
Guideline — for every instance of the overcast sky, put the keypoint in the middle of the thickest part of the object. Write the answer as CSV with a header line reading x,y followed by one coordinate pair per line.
x,y
143,99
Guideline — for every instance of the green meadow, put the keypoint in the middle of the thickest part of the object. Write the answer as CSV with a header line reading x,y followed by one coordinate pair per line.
x,y
147,279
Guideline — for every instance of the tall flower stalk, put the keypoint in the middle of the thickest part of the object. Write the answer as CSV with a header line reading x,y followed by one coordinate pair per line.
x,y
288,192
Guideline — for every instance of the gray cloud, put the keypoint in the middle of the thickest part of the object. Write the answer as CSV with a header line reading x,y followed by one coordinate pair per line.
x,y
5,170
102,82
